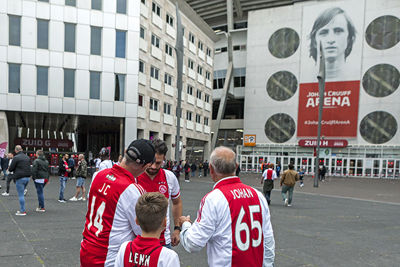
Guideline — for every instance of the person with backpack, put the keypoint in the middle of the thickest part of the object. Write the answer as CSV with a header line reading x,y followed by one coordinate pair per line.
x,y
268,177
40,173
186,167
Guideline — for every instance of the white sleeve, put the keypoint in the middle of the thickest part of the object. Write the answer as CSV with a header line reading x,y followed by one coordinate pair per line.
x,y
269,241
195,237
119,261
168,258
274,176
264,174
128,200
173,184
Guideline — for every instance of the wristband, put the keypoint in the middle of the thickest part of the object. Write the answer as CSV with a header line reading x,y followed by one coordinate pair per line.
x,y
178,228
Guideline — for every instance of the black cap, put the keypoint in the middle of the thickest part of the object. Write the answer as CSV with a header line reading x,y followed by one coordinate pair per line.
x,y
142,151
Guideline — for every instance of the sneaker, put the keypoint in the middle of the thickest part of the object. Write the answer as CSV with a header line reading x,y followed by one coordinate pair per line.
x,y
73,199
286,202
62,200
84,199
40,210
73,178
187,181
5,194
25,192
289,205
79,199
301,185
18,213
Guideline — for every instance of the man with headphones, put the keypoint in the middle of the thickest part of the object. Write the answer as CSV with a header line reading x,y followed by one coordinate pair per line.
x,y
110,219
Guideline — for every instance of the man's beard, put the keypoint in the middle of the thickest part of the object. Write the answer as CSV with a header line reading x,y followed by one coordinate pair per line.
x,y
151,171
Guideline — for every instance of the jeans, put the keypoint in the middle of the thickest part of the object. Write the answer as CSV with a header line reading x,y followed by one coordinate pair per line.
x,y
63,181
285,189
21,184
193,172
40,195
9,179
268,196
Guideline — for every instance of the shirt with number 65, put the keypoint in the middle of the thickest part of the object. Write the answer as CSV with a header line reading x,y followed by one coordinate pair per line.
x,y
234,222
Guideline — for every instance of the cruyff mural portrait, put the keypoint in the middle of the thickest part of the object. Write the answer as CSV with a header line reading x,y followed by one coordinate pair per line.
x,y
338,28
335,32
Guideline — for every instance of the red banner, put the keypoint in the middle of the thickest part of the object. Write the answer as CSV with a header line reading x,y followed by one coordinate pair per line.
x,y
340,112
45,143
323,143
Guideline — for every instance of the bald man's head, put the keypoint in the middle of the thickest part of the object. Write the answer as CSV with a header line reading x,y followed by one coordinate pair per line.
x,y
223,160
18,148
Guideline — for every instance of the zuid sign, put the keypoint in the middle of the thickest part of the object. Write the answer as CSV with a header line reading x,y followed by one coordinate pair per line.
x,y
323,143
45,143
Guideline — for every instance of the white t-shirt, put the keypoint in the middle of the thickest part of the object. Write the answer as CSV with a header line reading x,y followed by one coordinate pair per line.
x,y
234,222
274,176
105,164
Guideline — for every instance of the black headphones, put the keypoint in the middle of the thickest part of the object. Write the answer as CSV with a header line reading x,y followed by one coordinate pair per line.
x,y
134,154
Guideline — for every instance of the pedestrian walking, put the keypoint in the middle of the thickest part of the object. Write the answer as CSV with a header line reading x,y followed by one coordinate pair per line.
x,y
110,219
193,169
233,220
81,174
40,172
200,168
278,169
268,177
21,168
71,166
186,167
205,168
176,169
301,174
9,175
288,180
63,173
4,166
321,173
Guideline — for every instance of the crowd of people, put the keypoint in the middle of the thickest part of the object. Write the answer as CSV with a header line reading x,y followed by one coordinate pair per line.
x,y
129,201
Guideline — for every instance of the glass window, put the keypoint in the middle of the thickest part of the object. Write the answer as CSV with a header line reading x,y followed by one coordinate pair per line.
x,y
14,74
142,32
279,128
154,104
198,118
378,127
44,1
120,44
155,41
207,98
190,64
69,41
383,32
141,66
14,29
188,115
140,101
168,49
200,45
143,2
167,108
42,80
156,9
170,20
119,87
189,90
208,52
70,2
239,81
208,75
167,79
200,70
154,72
69,83
205,121
96,4
283,43
95,40
191,37
121,6
94,85
42,34
198,94
282,85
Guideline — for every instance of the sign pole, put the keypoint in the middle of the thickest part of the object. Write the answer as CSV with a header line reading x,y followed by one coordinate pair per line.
x,y
321,87
179,62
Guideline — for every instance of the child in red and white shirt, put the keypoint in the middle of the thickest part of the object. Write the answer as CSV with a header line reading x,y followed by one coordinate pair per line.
x,y
145,249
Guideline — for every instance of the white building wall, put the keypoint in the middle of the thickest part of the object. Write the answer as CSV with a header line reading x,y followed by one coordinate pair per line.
x,y
56,59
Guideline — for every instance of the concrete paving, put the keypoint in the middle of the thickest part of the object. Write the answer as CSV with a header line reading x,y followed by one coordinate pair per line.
x,y
344,222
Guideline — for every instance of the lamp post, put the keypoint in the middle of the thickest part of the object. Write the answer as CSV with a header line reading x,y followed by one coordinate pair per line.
x,y
321,88
179,63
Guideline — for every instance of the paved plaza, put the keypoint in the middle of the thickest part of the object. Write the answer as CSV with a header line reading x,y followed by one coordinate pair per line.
x,y
344,222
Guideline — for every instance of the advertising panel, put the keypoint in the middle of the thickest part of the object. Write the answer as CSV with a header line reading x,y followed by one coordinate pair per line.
x,y
249,140
337,27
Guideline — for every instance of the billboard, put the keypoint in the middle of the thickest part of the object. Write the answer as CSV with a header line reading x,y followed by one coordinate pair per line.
x,y
338,28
